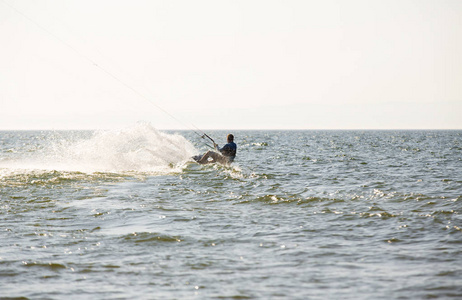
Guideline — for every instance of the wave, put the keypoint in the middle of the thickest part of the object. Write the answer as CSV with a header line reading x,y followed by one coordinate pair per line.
x,y
140,148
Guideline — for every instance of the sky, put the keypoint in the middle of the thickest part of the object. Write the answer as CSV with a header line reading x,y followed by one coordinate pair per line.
x,y
237,64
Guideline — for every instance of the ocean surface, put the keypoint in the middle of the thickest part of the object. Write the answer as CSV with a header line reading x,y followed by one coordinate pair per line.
x,y
125,214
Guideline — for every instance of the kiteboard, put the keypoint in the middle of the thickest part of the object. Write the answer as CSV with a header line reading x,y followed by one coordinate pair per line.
x,y
212,157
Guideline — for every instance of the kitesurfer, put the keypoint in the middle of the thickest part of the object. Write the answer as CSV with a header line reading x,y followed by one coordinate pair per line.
x,y
226,155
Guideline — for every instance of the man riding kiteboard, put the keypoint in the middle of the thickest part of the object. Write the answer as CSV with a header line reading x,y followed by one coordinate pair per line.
x,y
226,156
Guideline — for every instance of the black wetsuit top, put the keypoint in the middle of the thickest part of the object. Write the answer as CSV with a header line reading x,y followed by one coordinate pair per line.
x,y
229,150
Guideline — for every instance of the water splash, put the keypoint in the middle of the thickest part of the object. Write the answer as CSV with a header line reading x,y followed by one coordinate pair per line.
x,y
140,148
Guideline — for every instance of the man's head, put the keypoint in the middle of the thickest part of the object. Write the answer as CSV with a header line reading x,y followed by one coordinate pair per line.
x,y
230,138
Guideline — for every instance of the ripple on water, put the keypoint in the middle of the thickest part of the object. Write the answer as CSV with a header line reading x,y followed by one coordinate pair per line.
x,y
150,238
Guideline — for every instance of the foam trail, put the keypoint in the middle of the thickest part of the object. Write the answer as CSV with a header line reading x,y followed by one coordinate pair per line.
x,y
140,148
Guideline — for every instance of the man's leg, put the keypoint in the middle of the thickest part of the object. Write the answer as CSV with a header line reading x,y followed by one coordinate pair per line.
x,y
209,154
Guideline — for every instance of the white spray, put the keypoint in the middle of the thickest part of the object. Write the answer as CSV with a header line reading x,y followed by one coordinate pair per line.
x,y
140,148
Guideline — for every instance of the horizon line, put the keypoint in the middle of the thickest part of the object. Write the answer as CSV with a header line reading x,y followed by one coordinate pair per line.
x,y
236,129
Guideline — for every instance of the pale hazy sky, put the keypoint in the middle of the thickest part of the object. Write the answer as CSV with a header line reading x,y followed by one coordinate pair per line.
x,y
231,64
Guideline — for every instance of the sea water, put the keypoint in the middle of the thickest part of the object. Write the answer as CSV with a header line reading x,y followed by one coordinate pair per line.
x,y
125,214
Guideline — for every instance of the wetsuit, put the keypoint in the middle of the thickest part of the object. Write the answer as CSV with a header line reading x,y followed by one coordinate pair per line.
x,y
229,150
